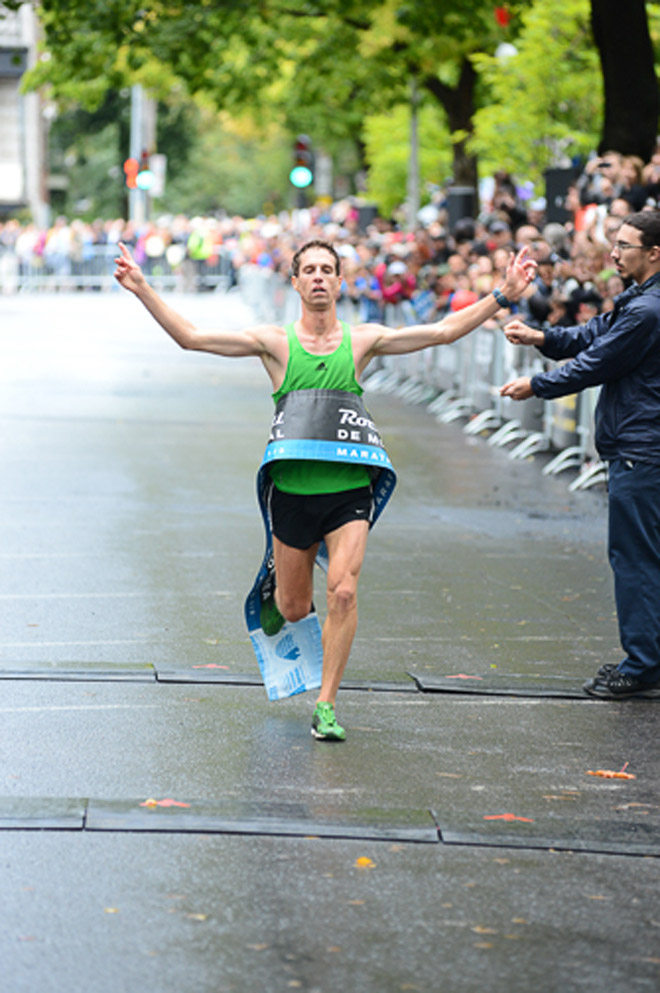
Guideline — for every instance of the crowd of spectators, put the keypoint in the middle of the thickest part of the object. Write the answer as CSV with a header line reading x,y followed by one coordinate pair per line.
x,y
420,273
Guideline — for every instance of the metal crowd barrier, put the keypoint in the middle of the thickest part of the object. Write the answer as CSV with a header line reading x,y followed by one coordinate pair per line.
x,y
462,380
93,271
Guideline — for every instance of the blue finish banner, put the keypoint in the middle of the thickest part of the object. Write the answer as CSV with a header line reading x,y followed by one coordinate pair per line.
x,y
327,426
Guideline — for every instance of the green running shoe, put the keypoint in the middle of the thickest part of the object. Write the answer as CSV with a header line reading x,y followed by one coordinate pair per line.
x,y
324,724
270,618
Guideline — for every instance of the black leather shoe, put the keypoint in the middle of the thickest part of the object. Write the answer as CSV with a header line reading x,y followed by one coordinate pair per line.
x,y
616,685
606,669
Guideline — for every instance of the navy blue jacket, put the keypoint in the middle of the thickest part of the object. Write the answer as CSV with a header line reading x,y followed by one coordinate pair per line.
x,y
620,351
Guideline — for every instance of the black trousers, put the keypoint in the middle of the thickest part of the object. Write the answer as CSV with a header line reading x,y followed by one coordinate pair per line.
x,y
634,552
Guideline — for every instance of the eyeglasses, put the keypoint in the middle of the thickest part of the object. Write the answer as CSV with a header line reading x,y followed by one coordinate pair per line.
x,y
621,246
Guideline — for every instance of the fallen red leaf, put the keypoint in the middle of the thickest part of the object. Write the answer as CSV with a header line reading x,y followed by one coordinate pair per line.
x,y
462,675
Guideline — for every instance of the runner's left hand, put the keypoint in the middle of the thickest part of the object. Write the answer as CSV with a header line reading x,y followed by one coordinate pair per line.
x,y
519,274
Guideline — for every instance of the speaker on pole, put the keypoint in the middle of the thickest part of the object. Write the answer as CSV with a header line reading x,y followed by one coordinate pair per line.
x,y
461,202
557,182
367,214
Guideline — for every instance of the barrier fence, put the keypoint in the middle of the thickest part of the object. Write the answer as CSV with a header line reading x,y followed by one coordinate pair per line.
x,y
455,382
93,269
461,382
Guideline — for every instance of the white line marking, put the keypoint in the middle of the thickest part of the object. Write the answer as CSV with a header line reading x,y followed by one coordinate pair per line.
x,y
99,596
93,706
66,644
67,596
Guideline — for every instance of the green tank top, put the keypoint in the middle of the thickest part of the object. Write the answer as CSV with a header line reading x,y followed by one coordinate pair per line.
x,y
306,371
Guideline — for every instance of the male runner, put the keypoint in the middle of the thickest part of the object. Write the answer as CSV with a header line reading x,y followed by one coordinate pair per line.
x,y
315,501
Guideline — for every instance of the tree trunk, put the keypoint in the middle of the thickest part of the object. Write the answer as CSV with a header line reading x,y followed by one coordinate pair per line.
x,y
459,105
621,33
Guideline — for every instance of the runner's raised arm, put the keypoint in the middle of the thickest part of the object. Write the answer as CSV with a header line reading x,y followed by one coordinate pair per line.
x,y
399,341
261,341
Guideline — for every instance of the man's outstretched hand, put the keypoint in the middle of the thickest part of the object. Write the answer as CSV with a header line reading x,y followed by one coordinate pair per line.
x,y
519,334
127,272
518,389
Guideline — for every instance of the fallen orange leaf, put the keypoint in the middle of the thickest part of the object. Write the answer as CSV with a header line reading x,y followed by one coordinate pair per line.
x,y
508,817
364,862
610,774
167,802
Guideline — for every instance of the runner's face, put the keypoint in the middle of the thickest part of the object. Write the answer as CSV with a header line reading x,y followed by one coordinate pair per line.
x,y
317,281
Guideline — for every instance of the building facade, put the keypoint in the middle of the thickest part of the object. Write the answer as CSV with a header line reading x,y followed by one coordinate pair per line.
x,y
23,124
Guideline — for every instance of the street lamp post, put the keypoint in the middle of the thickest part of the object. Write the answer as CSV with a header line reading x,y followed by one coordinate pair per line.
x,y
412,197
142,141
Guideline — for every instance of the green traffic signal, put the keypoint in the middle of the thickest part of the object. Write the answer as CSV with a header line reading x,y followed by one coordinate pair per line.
x,y
301,176
144,179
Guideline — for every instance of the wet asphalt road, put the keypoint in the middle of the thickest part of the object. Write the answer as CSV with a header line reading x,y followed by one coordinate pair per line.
x,y
129,536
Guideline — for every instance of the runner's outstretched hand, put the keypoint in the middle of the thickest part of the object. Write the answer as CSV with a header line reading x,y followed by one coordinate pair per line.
x,y
519,273
128,273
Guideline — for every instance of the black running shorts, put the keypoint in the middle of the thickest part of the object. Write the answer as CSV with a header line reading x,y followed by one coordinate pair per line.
x,y
301,521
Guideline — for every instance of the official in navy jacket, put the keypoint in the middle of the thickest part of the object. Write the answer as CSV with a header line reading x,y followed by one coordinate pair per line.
x,y
620,352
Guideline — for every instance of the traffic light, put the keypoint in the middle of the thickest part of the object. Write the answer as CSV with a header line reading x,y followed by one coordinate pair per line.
x,y
145,177
302,174
131,168
139,175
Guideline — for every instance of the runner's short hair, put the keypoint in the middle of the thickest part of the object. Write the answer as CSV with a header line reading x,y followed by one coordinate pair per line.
x,y
647,222
316,243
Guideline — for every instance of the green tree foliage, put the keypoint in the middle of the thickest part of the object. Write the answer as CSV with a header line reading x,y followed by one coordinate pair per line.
x,y
546,101
232,168
325,66
324,62
214,164
88,148
387,148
